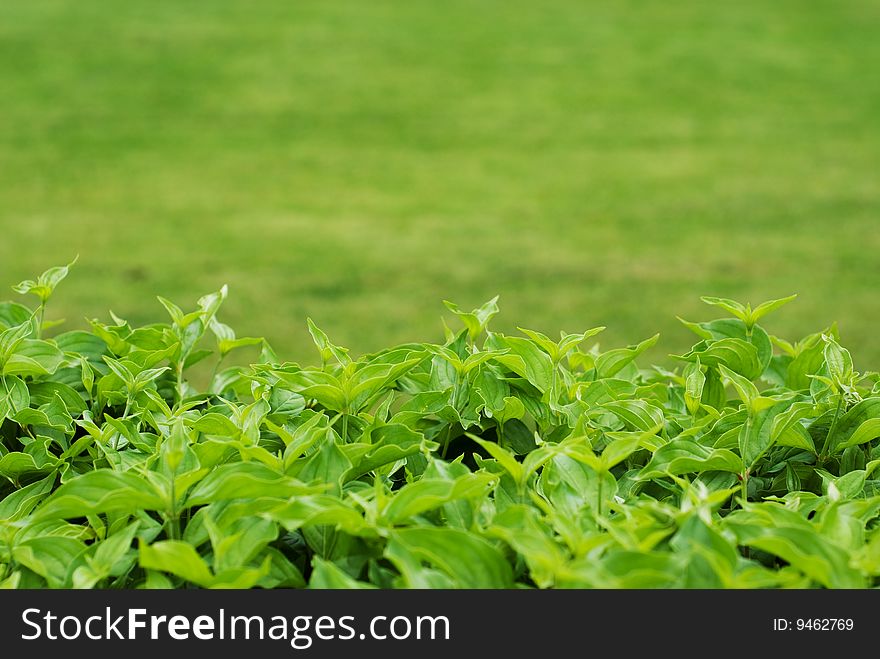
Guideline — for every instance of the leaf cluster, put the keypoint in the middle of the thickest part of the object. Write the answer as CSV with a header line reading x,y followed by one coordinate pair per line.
x,y
482,461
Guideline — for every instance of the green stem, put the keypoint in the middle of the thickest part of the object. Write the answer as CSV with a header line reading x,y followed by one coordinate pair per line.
x,y
454,400
599,495
173,522
40,313
345,425
744,496
179,386
554,393
826,446
446,441
745,433
214,372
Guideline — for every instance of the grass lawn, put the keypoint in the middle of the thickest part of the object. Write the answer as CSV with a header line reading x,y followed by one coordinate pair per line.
x,y
358,161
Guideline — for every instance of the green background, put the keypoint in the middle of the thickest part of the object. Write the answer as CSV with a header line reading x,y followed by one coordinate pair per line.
x,y
601,162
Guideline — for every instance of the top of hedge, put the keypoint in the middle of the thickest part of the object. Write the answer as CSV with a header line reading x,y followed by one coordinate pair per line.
x,y
482,461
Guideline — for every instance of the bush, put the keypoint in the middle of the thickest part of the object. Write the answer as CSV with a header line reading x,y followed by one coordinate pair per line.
x,y
487,461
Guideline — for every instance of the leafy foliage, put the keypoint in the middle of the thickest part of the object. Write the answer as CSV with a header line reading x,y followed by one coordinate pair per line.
x,y
485,461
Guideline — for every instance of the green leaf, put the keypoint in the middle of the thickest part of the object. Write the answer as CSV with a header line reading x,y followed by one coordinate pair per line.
x,y
694,381
490,387
682,456
623,445
17,465
101,491
475,321
108,558
14,396
520,528
327,348
791,416
45,284
756,435
328,465
808,361
566,344
215,424
245,480
326,575
746,389
850,422
241,542
838,361
608,364
737,355
389,443
427,494
639,414
504,458
868,431
517,436
312,430
48,556
174,446
468,560
697,328
731,306
525,359
602,391
44,393
511,408
21,502
12,314
34,357
177,558
323,387
320,510
13,337
371,381
714,394
805,549
766,307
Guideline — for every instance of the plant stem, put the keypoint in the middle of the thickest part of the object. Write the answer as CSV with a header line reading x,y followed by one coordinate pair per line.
x,y
40,313
173,523
454,400
826,446
179,386
446,441
214,372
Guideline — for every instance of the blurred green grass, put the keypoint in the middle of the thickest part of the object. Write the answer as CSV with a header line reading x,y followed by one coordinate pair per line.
x,y
598,162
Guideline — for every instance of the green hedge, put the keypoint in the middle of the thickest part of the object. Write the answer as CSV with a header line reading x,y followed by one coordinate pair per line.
x,y
484,461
